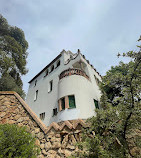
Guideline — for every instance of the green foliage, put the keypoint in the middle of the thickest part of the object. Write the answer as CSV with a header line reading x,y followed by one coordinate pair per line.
x,y
106,135
13,54
16,142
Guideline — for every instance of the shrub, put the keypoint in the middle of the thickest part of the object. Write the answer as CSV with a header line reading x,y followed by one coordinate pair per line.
x,y
16,142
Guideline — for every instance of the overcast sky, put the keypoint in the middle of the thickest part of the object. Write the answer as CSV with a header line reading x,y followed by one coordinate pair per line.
x,y
99,28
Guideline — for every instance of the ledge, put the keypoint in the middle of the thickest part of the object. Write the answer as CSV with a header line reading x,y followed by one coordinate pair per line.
x,y
73,71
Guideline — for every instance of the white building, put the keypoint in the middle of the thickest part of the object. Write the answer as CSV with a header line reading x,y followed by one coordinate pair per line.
x,y
66,89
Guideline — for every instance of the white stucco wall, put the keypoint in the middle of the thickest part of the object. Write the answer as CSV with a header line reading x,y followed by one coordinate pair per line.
x,y
83,89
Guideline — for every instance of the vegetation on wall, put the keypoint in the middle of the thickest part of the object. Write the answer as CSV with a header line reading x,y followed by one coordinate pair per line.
x,y
108,132
16,142
13,57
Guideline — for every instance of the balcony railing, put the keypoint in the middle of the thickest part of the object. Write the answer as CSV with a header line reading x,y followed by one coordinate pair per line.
x,y
73,71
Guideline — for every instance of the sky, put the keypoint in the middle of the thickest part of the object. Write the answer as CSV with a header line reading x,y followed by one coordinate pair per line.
x,y
99,28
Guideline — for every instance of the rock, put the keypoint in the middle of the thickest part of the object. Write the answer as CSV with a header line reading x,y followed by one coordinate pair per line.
x,y
37,130
56,145
73,140
2,114
7,115
67,152
40,156
4,121
11,121
1,97
52,153
53,139
7,103
20,124
40,135
42,146
135,151
65,141
21,119
37,142
57,135
48,145
70,147
44,152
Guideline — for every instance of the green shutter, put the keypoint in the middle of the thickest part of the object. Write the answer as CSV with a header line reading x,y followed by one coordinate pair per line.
x,y
63,103
72,102
96,104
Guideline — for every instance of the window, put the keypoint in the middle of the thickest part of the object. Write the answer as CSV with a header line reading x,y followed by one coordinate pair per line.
x,y
46,73
55,112
52,68
35,83
72,101
50,86
58,64
42,116
96,104
36,95
63,103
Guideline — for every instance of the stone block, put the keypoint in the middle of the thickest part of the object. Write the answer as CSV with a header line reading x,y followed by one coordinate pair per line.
x,y
37,142
37,130
42,146
44,152
2,114
48,145
40,135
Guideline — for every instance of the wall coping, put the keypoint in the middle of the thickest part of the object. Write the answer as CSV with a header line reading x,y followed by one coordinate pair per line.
x,y
23,103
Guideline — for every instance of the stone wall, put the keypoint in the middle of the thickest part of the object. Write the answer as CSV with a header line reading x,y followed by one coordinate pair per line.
x,y
56,141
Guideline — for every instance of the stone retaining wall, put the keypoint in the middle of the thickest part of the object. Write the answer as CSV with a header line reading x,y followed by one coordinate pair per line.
x,y
56,141
59,139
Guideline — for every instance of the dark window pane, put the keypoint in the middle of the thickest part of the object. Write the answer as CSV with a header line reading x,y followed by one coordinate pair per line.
x,y
63,103
58,63
55,112
72,102
96,104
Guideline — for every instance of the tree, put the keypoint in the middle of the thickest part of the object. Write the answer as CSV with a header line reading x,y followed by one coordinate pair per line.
x,y
16,142
13,56
107,134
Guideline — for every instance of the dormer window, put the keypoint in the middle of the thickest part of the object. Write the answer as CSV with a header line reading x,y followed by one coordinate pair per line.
x,y
52,68
58,64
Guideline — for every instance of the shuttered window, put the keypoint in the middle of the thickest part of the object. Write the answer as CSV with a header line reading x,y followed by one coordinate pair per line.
x,y
96,104
72,102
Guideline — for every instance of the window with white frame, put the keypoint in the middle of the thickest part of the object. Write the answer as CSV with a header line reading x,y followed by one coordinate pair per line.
x,y
50,86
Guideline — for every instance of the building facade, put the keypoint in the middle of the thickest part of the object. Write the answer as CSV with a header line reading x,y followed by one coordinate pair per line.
x,y
66,89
